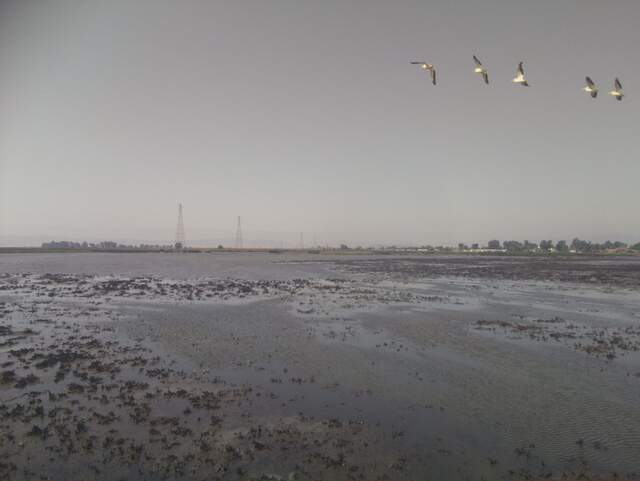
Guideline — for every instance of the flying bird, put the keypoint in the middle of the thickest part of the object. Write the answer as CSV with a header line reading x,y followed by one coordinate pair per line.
x,y
590,87
429,67
520,76
481,70
617,90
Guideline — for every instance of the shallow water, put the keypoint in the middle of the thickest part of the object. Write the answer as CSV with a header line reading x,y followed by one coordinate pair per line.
x,y
402,352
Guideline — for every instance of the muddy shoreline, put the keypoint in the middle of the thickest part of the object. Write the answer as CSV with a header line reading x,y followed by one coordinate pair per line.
x,y
366,369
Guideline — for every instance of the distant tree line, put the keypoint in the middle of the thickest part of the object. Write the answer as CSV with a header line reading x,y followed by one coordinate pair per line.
x,y
510,246
98,245
577,245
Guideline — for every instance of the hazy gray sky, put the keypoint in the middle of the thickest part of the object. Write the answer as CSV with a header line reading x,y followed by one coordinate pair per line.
x,y
306,116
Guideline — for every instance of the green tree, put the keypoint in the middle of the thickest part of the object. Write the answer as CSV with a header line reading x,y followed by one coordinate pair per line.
x,y
512,246
545,245
582,246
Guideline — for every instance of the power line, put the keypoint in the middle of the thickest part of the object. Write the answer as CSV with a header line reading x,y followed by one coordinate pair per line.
x,y
180,238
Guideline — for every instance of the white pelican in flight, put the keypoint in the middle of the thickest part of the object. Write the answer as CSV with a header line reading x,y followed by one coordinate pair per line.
x,y
429,67
481,70
617,90
520,76
590,87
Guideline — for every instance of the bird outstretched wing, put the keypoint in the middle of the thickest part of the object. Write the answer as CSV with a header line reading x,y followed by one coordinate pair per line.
x,y
618,84
433,76
589,82
485,76
478,62
520,69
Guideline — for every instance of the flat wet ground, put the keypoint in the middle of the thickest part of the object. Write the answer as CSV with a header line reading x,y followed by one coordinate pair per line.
x,y
210,366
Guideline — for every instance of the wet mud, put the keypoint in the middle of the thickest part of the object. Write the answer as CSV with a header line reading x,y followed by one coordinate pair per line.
x,y
356,372
613,271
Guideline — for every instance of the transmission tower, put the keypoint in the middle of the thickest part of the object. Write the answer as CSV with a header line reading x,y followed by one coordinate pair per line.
x,y
180,241
239,235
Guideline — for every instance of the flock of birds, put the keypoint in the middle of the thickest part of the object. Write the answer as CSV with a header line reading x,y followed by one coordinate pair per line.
x,y
591,88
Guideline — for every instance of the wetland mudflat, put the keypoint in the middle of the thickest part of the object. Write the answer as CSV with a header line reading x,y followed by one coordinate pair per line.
x,y
237,366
